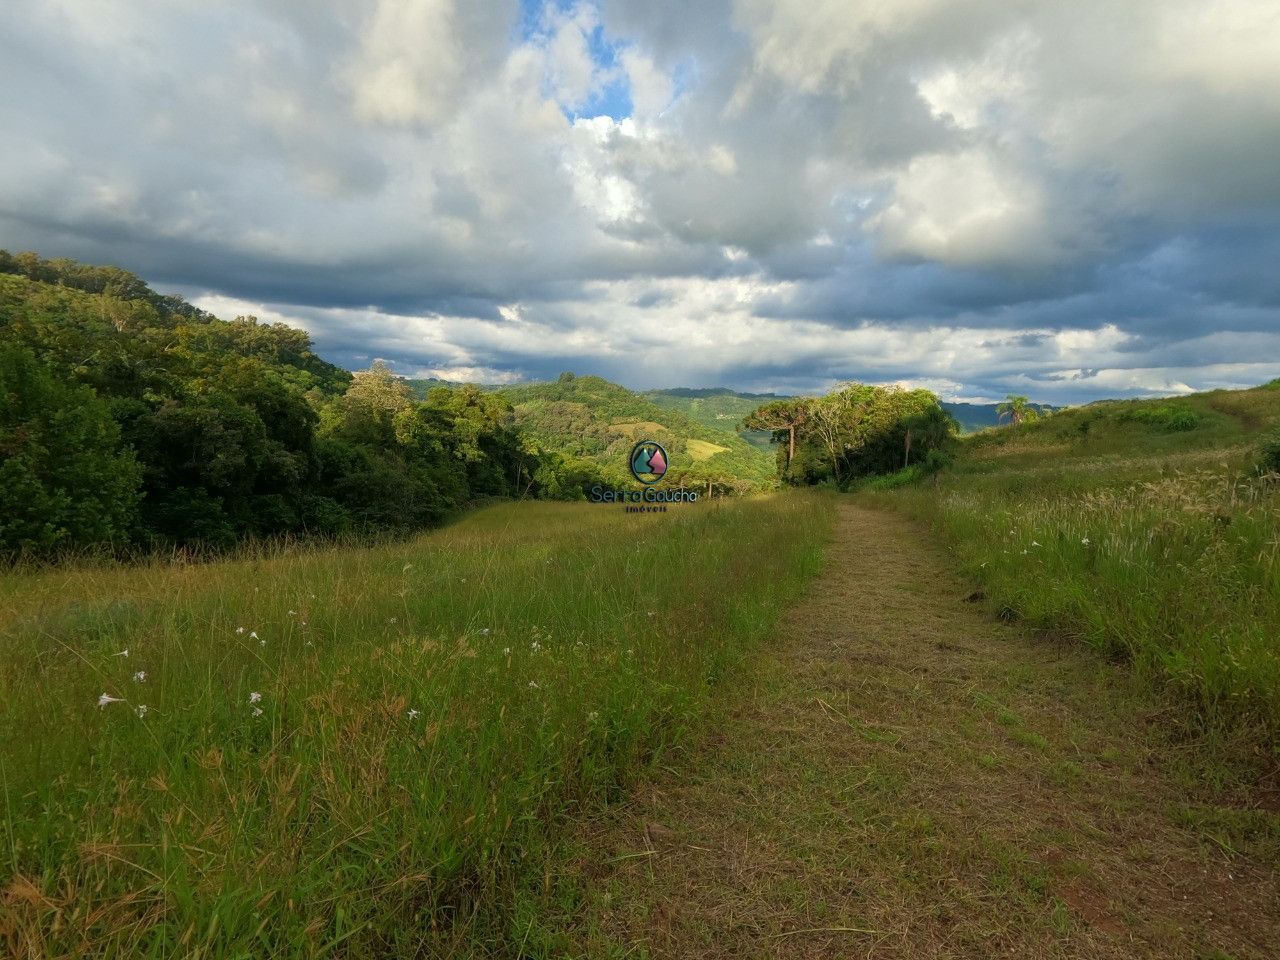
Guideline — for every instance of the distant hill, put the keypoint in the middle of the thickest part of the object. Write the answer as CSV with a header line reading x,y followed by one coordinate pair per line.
x,y
591,417
421,388
973,417
717,407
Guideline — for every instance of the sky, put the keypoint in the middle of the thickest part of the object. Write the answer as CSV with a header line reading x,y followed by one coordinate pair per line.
x,y
1065,200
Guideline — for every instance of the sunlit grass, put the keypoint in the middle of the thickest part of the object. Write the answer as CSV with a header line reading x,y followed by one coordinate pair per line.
x,y
1157,548
356,751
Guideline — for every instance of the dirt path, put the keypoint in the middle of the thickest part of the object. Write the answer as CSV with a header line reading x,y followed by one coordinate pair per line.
x,y
910,778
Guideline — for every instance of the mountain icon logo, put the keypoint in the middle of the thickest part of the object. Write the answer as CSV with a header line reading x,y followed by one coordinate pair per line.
x,y
648,461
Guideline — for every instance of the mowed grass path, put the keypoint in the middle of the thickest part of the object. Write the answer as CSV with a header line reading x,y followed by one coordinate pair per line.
x,y
908,777
358,752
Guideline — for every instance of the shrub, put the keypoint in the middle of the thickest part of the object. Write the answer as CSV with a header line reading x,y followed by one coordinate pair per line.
x,y
1166,416
1269,454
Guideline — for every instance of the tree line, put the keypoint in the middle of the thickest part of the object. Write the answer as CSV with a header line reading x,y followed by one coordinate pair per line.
x,y
133,419
855,432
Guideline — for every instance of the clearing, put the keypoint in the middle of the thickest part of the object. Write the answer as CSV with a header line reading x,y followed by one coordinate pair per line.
x,y
702,449
908,777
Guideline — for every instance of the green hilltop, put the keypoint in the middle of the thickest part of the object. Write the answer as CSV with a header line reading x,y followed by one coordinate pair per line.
x,y
593,419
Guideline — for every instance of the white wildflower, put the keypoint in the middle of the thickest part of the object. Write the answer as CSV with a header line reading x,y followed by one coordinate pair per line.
x,y
239,629
506,651
253,635
293,613
1085,541
484,632
412,714
123,653
257,711
255,697
140,710
535,646
532,685
105,699
140,677
1035,543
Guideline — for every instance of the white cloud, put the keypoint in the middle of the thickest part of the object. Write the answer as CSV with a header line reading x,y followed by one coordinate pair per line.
x,y
407,66
966,208
1073,198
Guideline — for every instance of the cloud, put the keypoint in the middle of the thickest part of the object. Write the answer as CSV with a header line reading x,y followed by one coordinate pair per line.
x,y
1068,200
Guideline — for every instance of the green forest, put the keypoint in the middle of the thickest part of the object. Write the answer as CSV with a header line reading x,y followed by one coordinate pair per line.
x,y
134,420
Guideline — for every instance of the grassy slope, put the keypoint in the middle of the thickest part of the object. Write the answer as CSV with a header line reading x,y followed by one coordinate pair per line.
x,y
548,652
717,407
1155,545
908,777
592,417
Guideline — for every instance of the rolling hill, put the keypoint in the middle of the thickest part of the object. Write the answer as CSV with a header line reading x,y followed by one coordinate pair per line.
x,y
592,418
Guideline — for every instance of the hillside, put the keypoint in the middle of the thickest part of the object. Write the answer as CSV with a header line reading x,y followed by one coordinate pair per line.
x,y
131,420
1147,529
591,418
717,407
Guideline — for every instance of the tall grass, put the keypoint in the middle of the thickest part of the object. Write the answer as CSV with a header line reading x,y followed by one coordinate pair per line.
x,y
1156,546
357,752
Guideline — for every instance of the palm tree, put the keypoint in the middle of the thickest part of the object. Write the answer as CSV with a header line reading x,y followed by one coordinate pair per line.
x,y
1016,408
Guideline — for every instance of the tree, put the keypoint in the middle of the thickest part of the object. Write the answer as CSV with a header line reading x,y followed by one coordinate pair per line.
x,y
862,429
1017,408
780,416
65,479
371,403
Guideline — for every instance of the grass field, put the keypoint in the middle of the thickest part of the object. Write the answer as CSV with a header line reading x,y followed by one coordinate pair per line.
x,y
701,449
358,752
1143,529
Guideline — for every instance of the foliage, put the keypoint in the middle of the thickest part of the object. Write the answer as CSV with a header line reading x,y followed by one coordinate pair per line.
x,y
589,419
142,417
1156,546
363,748
1269,454
858,431
1018,409
1163,416
64,478
719,408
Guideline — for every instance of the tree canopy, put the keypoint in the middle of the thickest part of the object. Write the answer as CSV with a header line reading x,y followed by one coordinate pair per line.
x,y
128,417
856,431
